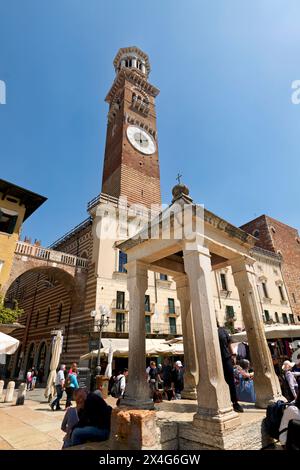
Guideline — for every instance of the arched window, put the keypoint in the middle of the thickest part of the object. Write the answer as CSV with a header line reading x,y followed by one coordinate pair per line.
x,y
59,312
84,255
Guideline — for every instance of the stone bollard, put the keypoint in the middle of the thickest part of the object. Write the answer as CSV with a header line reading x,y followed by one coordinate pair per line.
x,y
1,390
21,394
10,392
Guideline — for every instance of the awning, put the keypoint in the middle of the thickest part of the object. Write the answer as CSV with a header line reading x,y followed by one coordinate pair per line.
x,y
8,344
272,332
154,347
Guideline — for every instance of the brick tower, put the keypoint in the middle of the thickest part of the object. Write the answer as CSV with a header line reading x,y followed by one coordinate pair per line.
x,y
131,164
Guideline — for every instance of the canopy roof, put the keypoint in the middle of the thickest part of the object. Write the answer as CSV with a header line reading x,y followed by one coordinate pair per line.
x,y
272,332
154,347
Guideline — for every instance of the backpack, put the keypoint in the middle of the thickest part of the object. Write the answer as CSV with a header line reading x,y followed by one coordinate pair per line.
x,y
67,381
274,417
116,388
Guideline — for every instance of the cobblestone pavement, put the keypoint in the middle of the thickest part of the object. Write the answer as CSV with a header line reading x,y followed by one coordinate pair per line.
x,y
33,426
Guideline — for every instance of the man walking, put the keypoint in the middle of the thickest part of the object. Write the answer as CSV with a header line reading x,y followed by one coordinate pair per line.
x,y
227,354
177,379
59,385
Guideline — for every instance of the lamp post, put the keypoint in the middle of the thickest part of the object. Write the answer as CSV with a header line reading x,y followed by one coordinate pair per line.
x,y
101,321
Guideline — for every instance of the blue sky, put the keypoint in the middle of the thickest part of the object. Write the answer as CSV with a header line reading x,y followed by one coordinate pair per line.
x,y
225,116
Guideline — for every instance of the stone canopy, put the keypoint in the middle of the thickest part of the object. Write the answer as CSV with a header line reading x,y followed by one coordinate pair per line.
x,y
206,242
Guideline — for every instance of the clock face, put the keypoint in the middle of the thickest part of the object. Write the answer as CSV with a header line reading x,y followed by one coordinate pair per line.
x,y
141,140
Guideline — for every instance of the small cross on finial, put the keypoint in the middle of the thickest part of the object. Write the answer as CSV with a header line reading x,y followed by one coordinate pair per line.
x,y
178,178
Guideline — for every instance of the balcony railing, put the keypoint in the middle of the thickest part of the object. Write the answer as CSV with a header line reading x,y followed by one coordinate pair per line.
x,y
122,326
35,251
172,311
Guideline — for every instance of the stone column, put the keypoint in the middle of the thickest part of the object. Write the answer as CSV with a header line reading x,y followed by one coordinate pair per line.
x,y
214,406
137,393
10,392
21,394
134,62
1,389
190,362
266,382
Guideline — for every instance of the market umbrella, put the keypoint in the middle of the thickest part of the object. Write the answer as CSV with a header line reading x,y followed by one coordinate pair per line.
x,y
108,370
56,352
8,344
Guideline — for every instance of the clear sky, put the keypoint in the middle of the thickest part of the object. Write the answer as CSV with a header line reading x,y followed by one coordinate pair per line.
x,y
225,116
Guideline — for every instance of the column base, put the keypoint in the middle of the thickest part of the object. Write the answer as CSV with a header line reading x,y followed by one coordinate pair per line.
x,y
265,402
189,393
134,403
211,432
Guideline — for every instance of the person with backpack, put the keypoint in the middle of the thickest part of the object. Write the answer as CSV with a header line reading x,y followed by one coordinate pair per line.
x,y
71,384
119,386
292,411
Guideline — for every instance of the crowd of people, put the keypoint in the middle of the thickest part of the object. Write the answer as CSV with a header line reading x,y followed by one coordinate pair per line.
x,y
90,418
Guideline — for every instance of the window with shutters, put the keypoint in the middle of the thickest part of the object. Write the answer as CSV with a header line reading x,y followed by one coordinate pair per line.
x,y
120,300
172,326
120,322
148,324
223,281
147,303
171,305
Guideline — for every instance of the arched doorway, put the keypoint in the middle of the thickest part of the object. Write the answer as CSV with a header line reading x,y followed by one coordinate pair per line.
x,y
41,361
30,358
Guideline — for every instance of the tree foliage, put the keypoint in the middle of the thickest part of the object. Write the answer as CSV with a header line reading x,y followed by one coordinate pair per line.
x,y
9,315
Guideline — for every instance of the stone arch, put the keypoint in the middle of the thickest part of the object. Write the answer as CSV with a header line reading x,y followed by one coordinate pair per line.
x,y
41,354
74,285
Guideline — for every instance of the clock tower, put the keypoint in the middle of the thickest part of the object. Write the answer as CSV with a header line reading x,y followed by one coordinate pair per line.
x,y
131,164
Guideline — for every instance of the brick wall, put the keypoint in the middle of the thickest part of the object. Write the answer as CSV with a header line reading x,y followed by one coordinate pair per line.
x,y
281,238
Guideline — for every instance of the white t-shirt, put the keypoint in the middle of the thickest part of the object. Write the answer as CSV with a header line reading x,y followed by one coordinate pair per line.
x,y
59,377
291,412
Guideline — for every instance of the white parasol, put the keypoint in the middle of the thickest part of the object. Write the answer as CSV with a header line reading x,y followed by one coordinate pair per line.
x,y
56,352
8,344
108,370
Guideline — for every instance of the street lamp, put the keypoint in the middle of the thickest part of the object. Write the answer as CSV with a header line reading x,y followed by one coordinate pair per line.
x,y
101,320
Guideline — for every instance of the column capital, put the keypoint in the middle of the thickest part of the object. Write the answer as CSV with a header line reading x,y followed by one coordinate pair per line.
x,y
242,263
136,268
181,280
196,249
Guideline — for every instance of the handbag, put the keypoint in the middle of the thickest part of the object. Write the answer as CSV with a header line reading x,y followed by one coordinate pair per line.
x,y
245,390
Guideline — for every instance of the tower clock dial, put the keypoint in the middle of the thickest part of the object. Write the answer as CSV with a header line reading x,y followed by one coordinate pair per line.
x,y
141,140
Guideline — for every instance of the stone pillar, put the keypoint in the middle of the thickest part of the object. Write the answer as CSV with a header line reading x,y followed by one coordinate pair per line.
x,y
137,393
123,63
21,394
215,411
1,390
10,392
266,382
143,68
190,361
134,62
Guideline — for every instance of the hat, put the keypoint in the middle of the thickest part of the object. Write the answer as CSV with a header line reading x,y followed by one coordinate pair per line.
x,y
287,363
178,363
